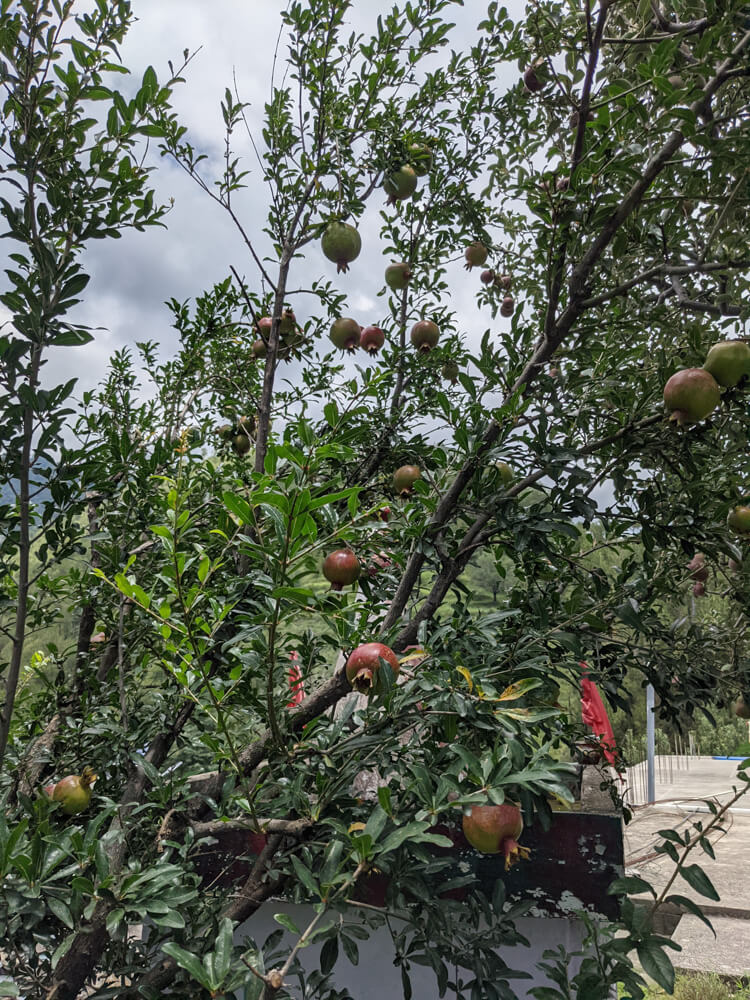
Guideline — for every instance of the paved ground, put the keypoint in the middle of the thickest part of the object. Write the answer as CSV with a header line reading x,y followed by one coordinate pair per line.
x,y
678,806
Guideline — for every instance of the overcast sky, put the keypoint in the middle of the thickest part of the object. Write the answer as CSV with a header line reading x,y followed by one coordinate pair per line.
x,y
133,276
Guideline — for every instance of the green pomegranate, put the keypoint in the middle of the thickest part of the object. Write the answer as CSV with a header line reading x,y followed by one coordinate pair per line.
x,y
506,473
241,444
495,830
397,276
425,335
404,479
420,157
73,791
346,333
363,665
728,361
450,371
259,348
476,255
691,394
341,243
738,519
400,184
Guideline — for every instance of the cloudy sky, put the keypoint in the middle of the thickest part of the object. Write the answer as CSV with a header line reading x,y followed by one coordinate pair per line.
x,y
133,276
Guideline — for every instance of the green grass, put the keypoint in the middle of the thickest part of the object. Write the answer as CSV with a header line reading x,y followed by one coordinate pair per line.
x,y
702,986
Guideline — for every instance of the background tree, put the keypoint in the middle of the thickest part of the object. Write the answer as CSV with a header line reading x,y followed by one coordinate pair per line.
x,y
599,188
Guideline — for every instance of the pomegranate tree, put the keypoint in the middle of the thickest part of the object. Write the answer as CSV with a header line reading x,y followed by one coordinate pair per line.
x,y
341,568
400,184
690,395
495,830
345,334
728,361
476,255
425,335
404,479
363,665
372,339
73,791
341,243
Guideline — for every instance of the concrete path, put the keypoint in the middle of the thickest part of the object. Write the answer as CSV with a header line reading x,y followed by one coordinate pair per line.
x,y
678,807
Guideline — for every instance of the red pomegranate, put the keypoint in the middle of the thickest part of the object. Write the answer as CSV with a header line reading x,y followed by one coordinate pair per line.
x,y
738,519
405,477
699,589
397,276
534,78
495,830
341,243
384,514
476,254
487,277
363,665
690,395
698,568
504,281
425,335
345,334
372,339
508,305
400,184
341,568
73,791
263,327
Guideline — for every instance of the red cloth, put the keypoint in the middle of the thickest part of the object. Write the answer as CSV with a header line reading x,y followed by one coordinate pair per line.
x,y
296,684
595,716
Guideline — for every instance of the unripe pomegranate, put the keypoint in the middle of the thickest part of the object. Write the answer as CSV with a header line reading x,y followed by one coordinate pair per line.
x,y
425,335
495,830
504,281
506,473
487,277
400,184
476,254
372,339
246,424
363,665
449,371
345,334
74,791
341,243
508,305
420,157
738,519
259,349
534,79
728,361
405,478
341,568
241,444
698,568
397,276
691,394
225,432
699,589
741,708
287,323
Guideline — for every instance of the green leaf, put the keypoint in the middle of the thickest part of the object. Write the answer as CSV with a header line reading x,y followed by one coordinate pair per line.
x,y
223,950
329,954
305,876
239,507
697,878
657,964
628,885
187,961
287,922
397,837
693,908
61,911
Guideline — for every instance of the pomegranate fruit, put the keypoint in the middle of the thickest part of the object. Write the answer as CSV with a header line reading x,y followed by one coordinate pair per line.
x,y
506,473
287,323
741,708
404,479
246,425
397,276
699,589
420,158
259,349
476,254
341,243
363,665
504,281
690,395
372,339
728,361
698,568
225,432
384,514
738,519
487,277
562,184
341,568
400,184
73,791
449,371
425,335
508,305
534,79
345,334
263,327
241,444
495,830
